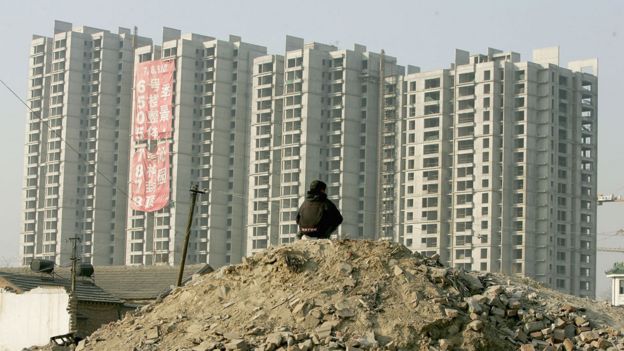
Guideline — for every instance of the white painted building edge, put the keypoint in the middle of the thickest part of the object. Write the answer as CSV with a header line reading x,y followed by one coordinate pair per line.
x,y
617,289
31,318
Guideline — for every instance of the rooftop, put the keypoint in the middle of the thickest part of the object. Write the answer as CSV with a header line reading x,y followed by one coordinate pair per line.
x,y
86,291
122,282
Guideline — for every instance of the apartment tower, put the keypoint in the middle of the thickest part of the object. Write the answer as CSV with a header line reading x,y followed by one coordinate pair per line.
x,y
77,137
314,116
209,148
498,166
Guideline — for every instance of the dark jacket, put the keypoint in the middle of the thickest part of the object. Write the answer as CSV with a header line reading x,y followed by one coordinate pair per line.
x,y
318,217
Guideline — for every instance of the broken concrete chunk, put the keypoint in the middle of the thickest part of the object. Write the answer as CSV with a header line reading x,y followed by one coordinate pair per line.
x,y
231,335
568,345
580,321
472,283
306,345
237,345
368,341
588,336
153,333
451,313
533,326
346,268
570,331
325,329
345,313
527,347
476,325
438,274
444,344
537,335
397,270
497,311
558,335
310,322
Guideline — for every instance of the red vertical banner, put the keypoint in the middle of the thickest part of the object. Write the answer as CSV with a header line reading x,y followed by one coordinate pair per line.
x,y
138,168
150,178
153,92
157,185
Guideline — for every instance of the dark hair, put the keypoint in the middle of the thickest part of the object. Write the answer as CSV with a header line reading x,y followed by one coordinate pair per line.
x,y
317,186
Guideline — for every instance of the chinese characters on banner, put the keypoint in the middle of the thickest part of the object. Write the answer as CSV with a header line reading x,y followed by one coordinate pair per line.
x,y
153,91
149,171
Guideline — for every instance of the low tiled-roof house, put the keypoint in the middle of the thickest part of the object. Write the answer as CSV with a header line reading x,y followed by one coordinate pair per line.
x,y
35,307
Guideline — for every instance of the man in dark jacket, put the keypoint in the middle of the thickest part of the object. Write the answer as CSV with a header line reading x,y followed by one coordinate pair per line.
x,y
318,217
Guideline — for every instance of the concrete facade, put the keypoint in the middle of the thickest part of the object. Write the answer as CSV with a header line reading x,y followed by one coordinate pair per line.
x,y
210,148
498,167
314,116
79,94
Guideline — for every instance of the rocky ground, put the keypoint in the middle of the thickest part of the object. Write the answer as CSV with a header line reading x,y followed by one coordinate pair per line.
x,y
336,295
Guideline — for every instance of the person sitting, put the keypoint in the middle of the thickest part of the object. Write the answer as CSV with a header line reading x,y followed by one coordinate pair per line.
x,y
317,217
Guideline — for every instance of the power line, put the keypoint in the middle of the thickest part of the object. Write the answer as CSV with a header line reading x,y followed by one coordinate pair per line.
x,y
58,135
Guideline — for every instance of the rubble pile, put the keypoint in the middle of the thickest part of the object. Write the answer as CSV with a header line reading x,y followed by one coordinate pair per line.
x,y
337,295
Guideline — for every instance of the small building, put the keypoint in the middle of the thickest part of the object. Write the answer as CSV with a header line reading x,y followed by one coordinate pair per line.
x,y
617,284
35,307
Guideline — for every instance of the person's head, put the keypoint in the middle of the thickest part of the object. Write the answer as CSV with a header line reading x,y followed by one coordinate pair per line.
x,y
317,186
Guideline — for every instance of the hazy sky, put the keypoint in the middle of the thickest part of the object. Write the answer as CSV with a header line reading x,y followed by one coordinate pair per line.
x,y
421,33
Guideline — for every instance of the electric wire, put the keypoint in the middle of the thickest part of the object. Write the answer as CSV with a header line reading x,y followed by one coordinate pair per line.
x,y
58,135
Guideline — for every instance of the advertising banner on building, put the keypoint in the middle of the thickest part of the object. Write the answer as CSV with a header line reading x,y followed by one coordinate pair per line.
x,y
149,187
138,166
153,91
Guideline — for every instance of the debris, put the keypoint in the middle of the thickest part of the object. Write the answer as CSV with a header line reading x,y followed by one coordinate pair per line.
x,y
361,295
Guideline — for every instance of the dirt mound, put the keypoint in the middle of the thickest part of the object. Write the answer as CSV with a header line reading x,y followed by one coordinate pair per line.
x,y
335,295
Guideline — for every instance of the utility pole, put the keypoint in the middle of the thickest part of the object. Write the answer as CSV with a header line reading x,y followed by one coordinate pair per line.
x,y
194,191
73,301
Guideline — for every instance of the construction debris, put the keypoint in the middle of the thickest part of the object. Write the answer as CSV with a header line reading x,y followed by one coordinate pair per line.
x,y
361,295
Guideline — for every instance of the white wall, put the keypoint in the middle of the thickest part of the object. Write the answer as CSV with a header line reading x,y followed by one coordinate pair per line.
x,y
617,299
33,317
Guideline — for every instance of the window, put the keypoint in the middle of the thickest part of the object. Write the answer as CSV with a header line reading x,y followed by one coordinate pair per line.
x,y
432,83
434,135
431,149
465,158
432,122
429,202
430,162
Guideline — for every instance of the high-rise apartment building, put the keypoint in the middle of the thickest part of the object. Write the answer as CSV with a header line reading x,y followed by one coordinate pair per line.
x,y
314,116
491,163
209,148
498,166
77,137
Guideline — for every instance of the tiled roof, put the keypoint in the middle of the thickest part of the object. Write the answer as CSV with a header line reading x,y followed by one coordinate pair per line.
x,y
129,282
85,291
142,282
